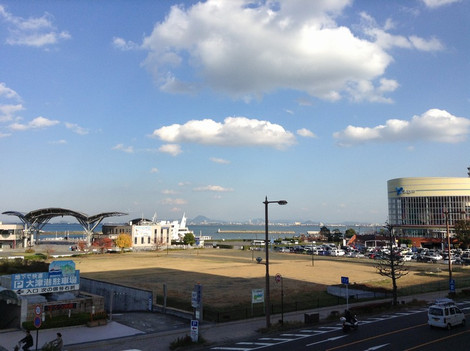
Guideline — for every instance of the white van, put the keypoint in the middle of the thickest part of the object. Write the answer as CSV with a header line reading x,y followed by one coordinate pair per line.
x,y
337,252
445,314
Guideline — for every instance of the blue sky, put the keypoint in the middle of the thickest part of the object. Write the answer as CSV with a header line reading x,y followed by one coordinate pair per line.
x,y
205,108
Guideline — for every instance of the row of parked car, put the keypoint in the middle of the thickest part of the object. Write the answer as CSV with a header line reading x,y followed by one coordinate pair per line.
x,y
322,250
405,254
438,256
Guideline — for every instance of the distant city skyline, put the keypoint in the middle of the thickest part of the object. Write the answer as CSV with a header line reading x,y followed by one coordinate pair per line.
x,y
206,107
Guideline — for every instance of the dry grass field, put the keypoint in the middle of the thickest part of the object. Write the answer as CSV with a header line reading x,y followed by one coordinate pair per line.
x,y
228,276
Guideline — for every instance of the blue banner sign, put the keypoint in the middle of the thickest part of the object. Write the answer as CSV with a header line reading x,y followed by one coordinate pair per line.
x,y
60,278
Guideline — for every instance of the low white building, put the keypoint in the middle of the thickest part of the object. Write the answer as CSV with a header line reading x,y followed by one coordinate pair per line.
x,y
148,235
177,229
11,236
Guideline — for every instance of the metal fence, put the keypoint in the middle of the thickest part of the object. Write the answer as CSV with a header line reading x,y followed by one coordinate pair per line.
x,y
258,310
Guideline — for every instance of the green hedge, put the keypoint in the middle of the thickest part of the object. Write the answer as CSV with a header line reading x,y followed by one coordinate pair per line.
x,y
62,321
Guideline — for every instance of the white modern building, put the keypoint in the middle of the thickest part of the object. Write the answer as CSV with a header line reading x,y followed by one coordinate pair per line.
x,y
425,207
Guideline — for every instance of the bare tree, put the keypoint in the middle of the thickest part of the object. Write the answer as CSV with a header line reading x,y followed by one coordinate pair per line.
x,y
462,232
390,264
49,250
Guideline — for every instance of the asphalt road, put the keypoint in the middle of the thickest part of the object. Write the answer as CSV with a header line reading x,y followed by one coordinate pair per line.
x,y
407,330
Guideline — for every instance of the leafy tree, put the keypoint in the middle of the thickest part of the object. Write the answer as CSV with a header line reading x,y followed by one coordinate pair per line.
x,y
124,241
390,265
325,233
406,242
103,244
82,245
337,235
349,233
462,232
189,239
324,230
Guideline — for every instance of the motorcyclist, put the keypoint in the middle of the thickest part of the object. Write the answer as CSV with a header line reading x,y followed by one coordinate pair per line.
x,y
349,317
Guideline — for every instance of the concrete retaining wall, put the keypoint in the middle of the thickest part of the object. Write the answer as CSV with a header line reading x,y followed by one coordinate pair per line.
x,y
354,293
119,298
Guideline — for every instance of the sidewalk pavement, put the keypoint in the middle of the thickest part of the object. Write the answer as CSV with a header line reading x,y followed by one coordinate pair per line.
x,y
70,335
80,337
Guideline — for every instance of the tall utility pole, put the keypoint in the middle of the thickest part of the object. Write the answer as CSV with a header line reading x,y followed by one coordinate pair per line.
x,y
266,244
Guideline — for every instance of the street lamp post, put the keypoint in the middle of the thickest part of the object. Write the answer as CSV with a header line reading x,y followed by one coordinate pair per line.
x,y
266,243
449,253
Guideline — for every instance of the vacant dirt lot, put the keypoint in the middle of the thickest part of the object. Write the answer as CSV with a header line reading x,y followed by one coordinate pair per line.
x,y
228,276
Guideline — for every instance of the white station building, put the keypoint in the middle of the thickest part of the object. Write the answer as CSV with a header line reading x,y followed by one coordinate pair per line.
x,y
426,207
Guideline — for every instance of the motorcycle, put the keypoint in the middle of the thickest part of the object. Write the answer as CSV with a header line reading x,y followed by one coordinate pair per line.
x,y
351,324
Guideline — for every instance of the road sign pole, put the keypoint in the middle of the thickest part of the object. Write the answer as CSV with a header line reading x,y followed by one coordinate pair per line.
x,y
37,321
279,279
345,281
194,330
282,301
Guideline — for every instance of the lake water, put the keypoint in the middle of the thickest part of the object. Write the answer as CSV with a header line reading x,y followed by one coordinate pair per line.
x,y
221,231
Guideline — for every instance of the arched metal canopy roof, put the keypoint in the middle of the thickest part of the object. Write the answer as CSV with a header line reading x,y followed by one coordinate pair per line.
x,y
44,215
37,219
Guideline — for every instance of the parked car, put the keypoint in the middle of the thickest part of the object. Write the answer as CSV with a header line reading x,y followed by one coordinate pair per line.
x,y
445,314
282,249
465,257
434,257
337,252
407,257
324,252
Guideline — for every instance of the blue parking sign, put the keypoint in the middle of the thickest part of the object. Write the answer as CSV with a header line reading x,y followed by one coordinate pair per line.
x,y
344,280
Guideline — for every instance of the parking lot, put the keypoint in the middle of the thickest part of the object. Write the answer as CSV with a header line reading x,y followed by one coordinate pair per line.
x,y
458,256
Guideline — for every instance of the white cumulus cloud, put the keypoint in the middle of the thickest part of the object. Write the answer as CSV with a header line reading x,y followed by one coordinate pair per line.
x,y
304,132
219,160
384,38
76,128
123,148
33,31
172,149
7,109
438,3
246,49
434,125
8,92
7,112
124,45
234,131
37,123
214,188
